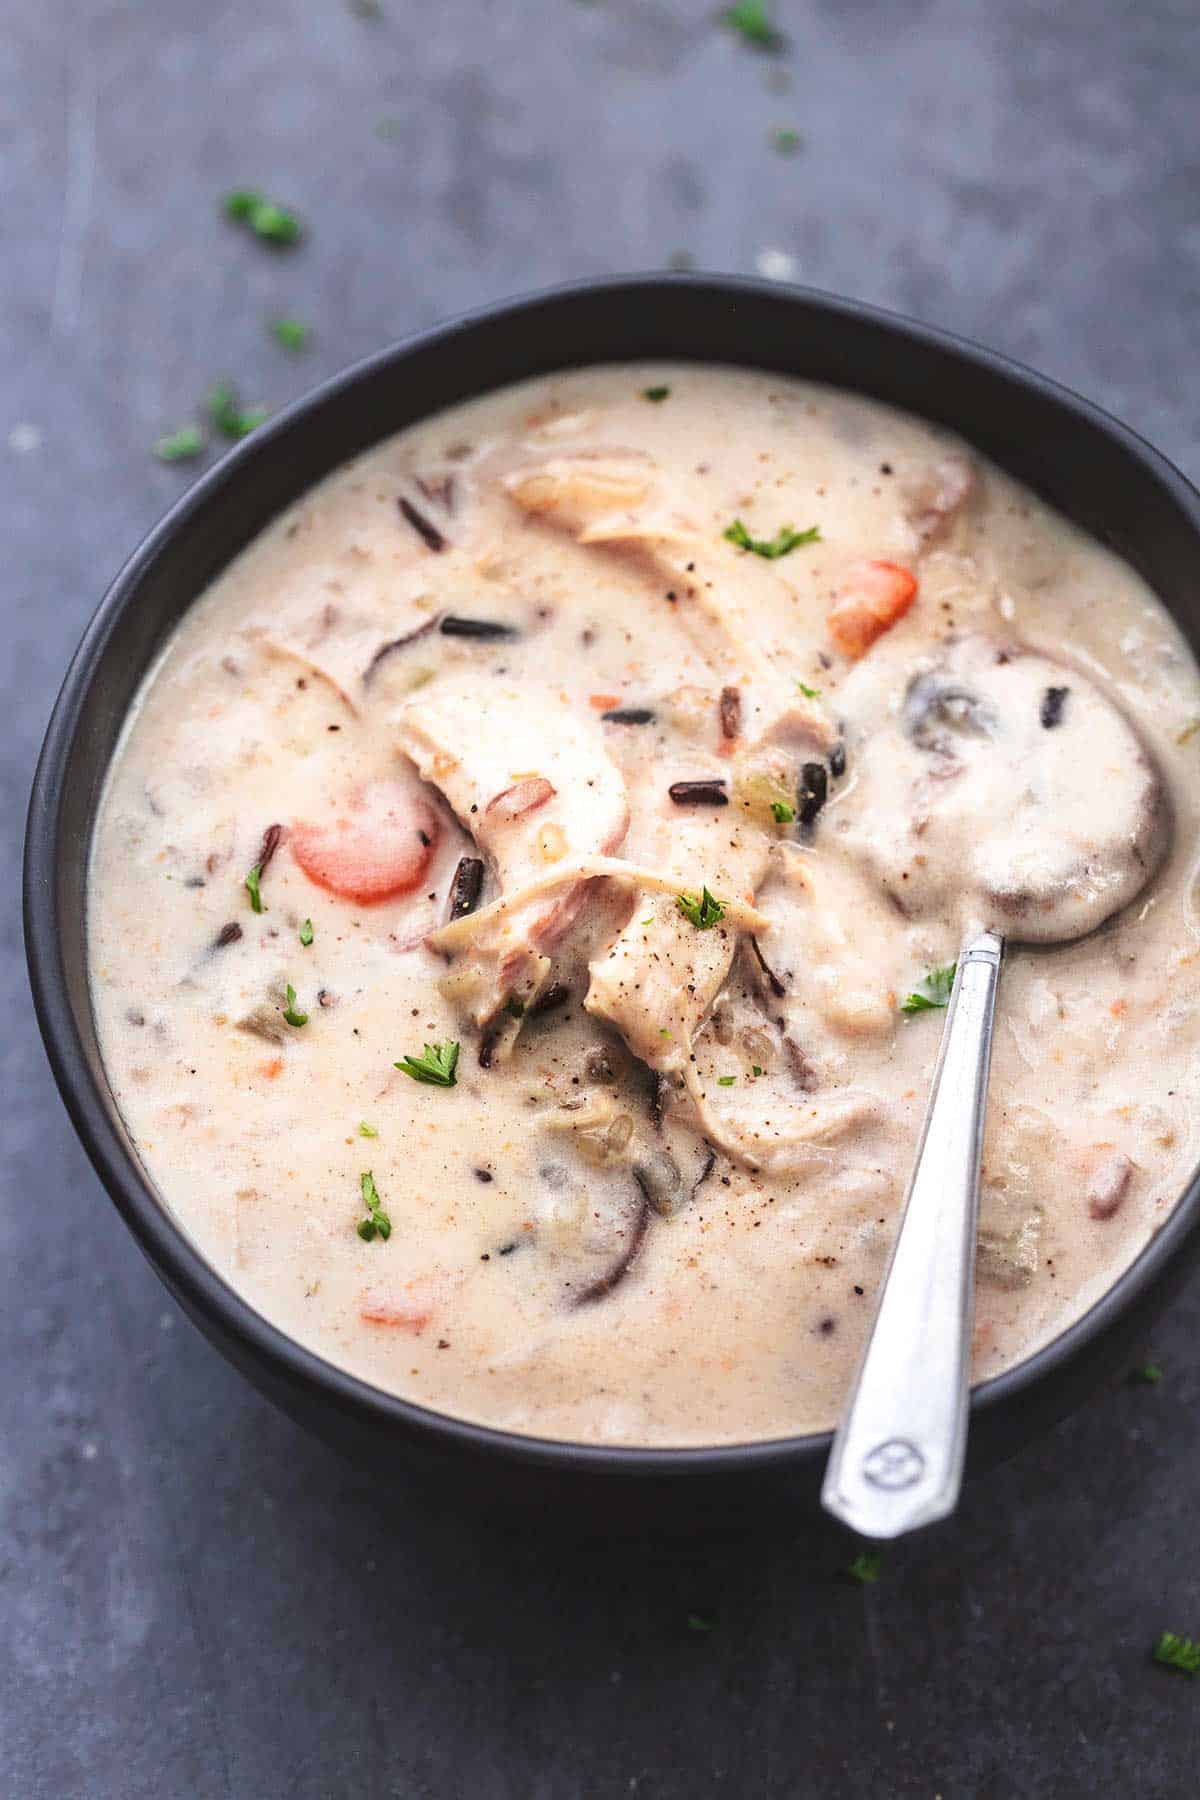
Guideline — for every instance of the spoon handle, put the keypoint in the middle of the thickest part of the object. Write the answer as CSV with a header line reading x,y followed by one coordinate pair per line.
x,y
897,1458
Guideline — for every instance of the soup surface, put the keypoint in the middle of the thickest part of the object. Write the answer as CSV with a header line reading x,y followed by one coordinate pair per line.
x,y
524,898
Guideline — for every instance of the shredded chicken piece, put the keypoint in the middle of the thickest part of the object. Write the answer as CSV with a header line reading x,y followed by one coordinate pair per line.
x,y
480,742
764,1138
333,639
574,490
936,498
454,935
616,501
656,983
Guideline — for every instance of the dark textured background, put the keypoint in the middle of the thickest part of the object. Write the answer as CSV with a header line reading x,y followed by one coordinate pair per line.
x,y
195,1599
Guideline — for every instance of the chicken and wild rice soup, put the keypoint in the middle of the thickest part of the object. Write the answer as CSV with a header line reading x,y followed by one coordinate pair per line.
x,y
525,897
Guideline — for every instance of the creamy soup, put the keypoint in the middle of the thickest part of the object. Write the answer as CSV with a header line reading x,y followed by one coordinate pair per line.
x,y
525,896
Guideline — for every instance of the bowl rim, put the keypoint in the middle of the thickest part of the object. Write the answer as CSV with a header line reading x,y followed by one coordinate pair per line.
x,y
169,1248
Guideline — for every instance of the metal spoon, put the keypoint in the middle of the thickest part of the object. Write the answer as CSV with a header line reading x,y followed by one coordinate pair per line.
x,y
897,1458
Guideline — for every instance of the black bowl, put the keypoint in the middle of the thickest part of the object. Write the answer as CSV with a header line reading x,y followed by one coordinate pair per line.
x,y
1088,465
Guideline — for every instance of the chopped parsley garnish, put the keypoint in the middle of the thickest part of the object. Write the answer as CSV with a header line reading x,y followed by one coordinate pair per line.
x,y
273,223
290,1014
785,539
376,1223
1178,1653
783,813
752,22
932,993
226,413
704,911
240,204
365,1130
810,693
755,1069
437,1065
180,446
1148,1375
726,1080
785,140
700,1622
866,1567
306,933
289,333
655,394
251,884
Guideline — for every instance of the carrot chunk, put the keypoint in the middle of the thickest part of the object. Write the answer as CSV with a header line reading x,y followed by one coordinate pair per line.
x,y
377,850
877,594
399,1314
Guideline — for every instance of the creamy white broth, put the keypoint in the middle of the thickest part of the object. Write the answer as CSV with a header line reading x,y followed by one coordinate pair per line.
x,y
656,1205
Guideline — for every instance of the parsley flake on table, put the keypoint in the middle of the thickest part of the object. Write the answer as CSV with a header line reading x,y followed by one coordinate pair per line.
x,y
289,333
1178,1653
700,1623
785,540
273,223
306,933
704,911
655,394
239,204
782,812
252,888
932,993
785,140
866,1567
726,1080
437,1065
225,411
1148,1375
290,1014
752,22
810,693
365,1130
376,1223
180,446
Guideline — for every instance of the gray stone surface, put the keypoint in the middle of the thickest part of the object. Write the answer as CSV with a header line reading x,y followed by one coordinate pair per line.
x,y
194,1598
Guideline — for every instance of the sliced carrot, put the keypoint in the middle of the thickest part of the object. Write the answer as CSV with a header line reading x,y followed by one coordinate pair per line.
x,y
401,1315
604,702
876,595
377,850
